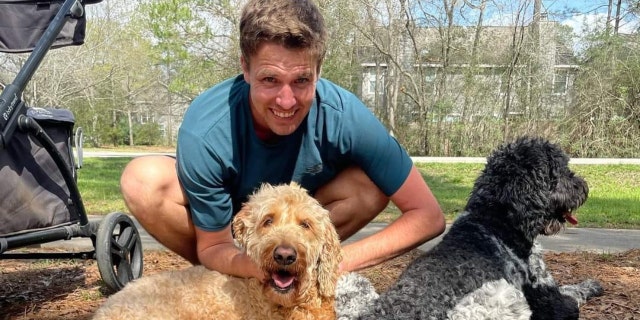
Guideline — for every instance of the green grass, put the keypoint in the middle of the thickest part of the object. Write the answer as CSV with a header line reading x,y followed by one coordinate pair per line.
x,y
614,192
99,185
614,197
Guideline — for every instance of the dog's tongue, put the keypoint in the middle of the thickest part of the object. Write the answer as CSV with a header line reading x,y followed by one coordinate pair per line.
x,y
570,218
282,280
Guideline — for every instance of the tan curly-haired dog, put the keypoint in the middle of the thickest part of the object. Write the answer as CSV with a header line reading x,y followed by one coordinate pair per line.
x,y
287,233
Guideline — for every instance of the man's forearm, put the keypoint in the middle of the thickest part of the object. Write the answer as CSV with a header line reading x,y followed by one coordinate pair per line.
x,y
409,231
229,259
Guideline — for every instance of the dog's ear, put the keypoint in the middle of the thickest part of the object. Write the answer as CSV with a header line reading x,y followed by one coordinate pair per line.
x,y
242,225
330,258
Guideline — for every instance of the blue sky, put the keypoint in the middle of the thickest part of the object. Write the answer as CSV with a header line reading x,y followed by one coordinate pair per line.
x,y
585,15
583,6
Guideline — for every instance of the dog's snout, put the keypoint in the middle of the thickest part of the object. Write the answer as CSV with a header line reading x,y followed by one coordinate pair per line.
x,y
285,255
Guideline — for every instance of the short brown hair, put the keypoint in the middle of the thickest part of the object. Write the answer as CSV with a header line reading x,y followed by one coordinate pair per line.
x,y
294,24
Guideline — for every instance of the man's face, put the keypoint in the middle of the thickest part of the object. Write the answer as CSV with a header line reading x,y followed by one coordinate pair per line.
x,y
283,85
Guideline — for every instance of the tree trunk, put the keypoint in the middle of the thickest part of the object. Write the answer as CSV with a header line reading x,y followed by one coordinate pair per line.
x,y
476,38
608,25
130,124
618,18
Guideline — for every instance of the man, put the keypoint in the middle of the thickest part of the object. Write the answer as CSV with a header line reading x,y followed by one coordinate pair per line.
x,y
275,123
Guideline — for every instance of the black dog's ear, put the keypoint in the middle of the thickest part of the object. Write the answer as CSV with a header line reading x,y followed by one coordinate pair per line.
x,y
568,191
558,160
513,171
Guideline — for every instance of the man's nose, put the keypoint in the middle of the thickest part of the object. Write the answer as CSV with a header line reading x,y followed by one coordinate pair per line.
x,y
286,98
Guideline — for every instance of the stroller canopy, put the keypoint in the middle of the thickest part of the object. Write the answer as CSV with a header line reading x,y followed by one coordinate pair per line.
x,y
23,22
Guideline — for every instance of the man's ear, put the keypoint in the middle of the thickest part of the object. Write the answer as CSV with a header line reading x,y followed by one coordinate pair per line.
x,y
245,68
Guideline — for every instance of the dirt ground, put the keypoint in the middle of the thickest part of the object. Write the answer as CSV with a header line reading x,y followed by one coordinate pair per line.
x,y
73,289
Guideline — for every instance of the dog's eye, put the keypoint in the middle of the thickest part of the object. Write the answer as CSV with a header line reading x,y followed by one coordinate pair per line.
x,y
267,222
305,224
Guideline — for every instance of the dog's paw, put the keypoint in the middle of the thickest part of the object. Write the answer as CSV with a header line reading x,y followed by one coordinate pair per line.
x,y
584,290
591,288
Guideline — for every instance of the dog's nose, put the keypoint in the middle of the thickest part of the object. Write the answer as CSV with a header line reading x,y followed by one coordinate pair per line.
x,y
284,255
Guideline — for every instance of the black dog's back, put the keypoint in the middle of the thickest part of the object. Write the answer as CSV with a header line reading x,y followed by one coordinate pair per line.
x,y
489,259
461,263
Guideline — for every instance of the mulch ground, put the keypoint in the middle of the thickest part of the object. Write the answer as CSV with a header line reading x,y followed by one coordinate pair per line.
x,y
73,289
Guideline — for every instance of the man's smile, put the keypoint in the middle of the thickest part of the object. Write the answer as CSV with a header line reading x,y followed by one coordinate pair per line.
x,y
282,114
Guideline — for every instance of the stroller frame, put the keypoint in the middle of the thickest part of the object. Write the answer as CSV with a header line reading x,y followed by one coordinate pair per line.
x,y
116,240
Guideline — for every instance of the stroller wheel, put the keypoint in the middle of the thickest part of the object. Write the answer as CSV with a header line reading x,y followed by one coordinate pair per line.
x,y
118,250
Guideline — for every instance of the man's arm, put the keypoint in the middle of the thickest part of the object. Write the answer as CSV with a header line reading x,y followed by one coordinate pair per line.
x,y
421,220
217,251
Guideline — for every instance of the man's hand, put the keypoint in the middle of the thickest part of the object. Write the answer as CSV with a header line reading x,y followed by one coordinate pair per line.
x,y
217,251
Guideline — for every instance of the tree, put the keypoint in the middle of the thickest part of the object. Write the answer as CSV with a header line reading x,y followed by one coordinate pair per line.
x,y
606,117
441,76
195,46
341,64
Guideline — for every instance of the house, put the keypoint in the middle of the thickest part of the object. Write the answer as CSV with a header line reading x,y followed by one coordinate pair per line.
x,y
462,72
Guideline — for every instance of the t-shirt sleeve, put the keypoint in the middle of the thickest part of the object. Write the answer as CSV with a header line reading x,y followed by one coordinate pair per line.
x,y
371,146
201,174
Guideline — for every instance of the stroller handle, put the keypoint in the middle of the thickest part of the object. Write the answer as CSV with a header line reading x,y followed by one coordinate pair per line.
x,y
10,103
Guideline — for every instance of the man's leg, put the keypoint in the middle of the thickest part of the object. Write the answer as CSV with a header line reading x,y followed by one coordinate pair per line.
x,y
154,196
353,200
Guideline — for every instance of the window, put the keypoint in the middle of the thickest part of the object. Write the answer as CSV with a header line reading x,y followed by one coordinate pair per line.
x,y
371,84
560,81
431,74
504,83
508,80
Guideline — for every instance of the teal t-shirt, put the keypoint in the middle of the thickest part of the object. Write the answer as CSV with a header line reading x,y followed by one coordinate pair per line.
x,y
220,159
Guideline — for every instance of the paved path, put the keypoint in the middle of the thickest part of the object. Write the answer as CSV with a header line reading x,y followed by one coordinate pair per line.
x,y
568,240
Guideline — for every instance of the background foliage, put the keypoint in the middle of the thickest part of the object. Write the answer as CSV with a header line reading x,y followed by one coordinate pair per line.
x,y
144,62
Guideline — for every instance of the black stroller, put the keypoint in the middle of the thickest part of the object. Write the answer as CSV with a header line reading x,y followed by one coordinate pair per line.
x,y
39,197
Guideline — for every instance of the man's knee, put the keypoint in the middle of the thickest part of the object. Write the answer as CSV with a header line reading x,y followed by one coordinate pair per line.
x,y
134,176
145,181
353,200
354,183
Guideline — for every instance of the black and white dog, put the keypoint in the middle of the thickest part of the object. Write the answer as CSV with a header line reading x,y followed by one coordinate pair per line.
x,y
489,265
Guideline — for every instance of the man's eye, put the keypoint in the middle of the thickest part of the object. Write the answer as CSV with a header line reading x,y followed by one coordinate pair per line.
x,y
269,79
302,80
